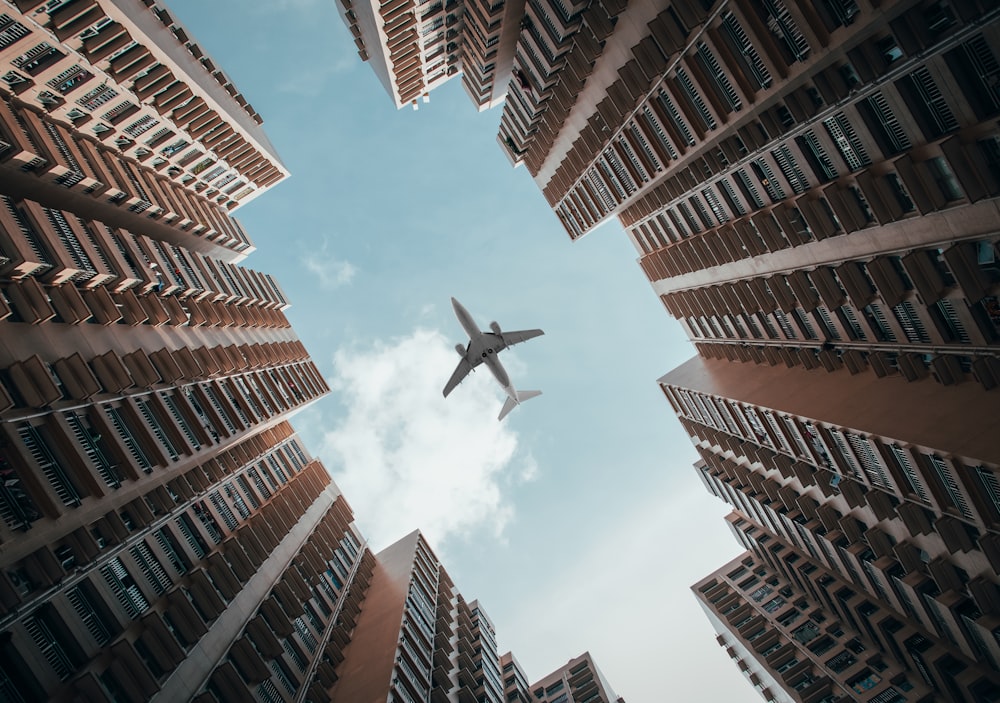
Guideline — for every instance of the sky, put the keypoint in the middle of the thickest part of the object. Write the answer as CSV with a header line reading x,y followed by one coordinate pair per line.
x,y
578,522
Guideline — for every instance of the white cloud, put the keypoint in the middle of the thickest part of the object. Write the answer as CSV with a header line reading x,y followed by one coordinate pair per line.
x,y
631,587
408,458
331,271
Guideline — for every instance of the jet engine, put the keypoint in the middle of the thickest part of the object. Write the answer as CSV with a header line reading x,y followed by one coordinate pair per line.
x,y
460,348
495,327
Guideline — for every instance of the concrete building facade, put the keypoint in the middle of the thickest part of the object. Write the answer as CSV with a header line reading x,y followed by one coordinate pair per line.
x,y
417,638
578,681
879,517
416,47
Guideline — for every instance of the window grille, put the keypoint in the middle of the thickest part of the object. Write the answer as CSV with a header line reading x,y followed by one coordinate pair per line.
x,y
848,144
131,443
71,244
175,412
224,510
790,169
48,464
951,486
88,615
912,477
151,568
687,85
870,461
49,646
744,49
668,106
749,189
124,588
154,425
909,320
847,456
710,64
658,131
781,23
888,124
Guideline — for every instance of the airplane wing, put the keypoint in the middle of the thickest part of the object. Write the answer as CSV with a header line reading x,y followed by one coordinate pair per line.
x,y
518,336
461,371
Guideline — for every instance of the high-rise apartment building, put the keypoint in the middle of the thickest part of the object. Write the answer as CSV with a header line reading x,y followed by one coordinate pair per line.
x,y
578,681
416,47
873,501
163,533
781,637
417,638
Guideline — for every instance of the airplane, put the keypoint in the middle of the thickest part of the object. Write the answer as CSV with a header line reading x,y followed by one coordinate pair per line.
x,y
483,348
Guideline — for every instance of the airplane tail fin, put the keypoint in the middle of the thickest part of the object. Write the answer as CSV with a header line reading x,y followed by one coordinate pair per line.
x,y
511,403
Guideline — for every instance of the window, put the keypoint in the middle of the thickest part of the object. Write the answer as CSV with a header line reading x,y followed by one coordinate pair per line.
x,y
694,97
928,104
846,139
790,169
744,50
883,124
767,179
945,178
779,20
720,81
671,110
124,587
38,446
952,489
977,71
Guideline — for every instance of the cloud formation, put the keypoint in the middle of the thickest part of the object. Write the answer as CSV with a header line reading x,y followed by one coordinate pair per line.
x,y
408,458
331,271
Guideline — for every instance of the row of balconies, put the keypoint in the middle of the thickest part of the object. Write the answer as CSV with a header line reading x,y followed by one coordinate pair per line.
x,y
36,304
636,77
895,114
59,155
840,209
116,450
551,37
651,59
855,609
940,570
199,598
887,199
556,55
107,48
936,502
921,276
35,384
259,644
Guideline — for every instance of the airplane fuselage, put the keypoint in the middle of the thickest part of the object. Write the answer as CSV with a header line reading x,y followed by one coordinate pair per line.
x,y
484,346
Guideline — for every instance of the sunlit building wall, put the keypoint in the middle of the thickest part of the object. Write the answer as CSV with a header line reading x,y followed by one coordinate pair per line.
x,y
515,681
417,638
578,681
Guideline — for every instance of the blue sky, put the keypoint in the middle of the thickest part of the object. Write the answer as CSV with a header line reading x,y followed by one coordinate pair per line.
x,y
578,522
